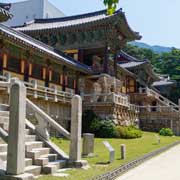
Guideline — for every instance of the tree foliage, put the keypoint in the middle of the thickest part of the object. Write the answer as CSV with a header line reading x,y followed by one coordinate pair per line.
x,y
112,5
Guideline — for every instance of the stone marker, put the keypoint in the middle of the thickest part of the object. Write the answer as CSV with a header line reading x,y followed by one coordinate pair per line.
x,y
111,151
158,139
88,144
76,123
16,140
123,151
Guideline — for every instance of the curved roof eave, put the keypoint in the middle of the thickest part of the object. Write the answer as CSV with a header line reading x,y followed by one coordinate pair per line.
x,y
80,21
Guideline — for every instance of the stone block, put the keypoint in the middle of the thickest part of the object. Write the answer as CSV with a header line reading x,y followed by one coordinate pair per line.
x,y
88,144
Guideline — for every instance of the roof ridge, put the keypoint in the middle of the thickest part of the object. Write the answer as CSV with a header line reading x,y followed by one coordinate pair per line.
x,y
73,17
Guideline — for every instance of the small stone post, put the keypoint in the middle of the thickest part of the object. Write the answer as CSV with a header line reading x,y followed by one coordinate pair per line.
x,y
88,144
76,123
179,104
16,139
123,151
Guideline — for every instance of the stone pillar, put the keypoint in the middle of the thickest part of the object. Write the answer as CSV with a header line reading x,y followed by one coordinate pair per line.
x,y
76,126
16,139
76,123
123,151
88,144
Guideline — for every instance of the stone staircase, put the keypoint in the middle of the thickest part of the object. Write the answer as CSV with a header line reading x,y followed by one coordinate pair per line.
x,y
162,99
40,158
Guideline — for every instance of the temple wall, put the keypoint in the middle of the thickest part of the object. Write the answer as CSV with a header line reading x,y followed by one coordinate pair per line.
x,y
119,114
154,121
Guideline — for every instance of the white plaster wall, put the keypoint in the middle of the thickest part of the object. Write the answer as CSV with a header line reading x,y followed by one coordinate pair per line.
x,y
29,10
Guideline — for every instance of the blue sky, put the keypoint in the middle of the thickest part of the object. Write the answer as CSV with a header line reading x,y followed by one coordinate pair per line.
x,y
156,20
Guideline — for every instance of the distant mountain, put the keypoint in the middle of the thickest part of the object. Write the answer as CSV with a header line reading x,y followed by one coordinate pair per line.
x,y
156,49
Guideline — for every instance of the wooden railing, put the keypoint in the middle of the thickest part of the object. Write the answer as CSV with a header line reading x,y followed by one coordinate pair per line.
x,y
37,91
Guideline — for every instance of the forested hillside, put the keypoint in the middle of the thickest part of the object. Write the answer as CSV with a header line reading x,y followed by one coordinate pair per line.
x,y
164,63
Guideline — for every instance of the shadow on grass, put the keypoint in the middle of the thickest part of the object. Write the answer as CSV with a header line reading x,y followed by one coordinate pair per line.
x,y
103,163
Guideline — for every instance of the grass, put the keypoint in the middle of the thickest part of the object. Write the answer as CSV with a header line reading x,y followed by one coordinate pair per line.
x,y
135,148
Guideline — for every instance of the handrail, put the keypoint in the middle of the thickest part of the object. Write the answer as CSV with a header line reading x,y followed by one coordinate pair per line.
x,y
48,119
161,98
3,134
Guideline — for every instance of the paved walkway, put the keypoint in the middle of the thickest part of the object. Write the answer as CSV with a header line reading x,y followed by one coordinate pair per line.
x,y
166,166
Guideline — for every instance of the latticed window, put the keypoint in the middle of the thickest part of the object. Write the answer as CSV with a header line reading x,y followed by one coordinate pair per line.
x,y
70,82
55,77
37,72
14,64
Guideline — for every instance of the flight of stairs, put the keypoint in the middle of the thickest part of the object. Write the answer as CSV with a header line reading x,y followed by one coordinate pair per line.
x,y
39,158
162,99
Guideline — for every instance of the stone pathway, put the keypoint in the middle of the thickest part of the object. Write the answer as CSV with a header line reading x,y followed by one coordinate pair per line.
x,y
166,166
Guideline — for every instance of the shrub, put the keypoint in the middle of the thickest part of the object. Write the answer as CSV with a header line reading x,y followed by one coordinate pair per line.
x,y
166,132
87,118
129,132
103,128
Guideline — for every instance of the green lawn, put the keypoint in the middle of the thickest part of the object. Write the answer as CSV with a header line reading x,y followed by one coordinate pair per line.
x,y
135,149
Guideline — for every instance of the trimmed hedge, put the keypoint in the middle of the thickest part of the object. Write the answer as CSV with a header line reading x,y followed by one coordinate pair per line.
x,y
166,132
129,132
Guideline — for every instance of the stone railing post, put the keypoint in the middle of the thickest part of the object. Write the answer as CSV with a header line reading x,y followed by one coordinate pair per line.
x,y
179,104
8,79
34,83
16,139
55,93
76,126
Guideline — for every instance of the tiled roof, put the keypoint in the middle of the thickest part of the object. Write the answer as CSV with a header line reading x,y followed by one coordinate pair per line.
x,y
99,17
4,14
132,64
43,48
128,57
163,83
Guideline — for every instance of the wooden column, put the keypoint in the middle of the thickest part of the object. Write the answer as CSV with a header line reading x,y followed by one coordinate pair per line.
x,y
64,79
80,55
77,86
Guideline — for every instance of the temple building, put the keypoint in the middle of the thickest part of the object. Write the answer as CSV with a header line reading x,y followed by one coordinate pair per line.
x,y
82,54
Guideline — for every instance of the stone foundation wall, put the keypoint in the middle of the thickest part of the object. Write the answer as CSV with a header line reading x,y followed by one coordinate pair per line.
x,y
154,121
119,114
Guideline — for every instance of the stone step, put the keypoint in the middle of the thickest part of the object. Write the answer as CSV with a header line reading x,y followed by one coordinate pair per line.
x,y
37,153
28,162
3,147
35,170
42,150
3,156
27,131
41,162
49,169
4,113
33,144
59,163
4,126
4,119
51,157
30,138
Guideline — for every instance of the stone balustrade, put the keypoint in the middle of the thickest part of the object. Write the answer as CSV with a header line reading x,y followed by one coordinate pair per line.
x,y
37,91
100,98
